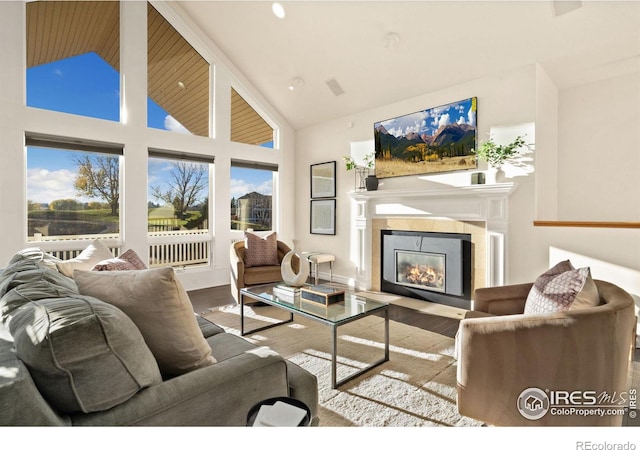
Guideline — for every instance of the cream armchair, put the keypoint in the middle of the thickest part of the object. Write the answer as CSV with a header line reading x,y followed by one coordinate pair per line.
x,y
502,353
242,276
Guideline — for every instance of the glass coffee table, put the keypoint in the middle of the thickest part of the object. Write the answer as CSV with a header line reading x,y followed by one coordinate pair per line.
x,y
353,307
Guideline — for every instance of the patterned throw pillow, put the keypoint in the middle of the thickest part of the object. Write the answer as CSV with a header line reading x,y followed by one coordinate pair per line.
x,y
260,251
559,288
129,260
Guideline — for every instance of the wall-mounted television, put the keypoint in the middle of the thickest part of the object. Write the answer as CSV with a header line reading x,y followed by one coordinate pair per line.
x,y
440,139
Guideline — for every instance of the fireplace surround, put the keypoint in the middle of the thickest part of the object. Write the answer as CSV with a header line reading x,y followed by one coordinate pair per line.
x,y
427,266
479,210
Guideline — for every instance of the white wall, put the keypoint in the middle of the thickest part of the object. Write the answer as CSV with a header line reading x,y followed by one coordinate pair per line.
x,y
520,99
16,118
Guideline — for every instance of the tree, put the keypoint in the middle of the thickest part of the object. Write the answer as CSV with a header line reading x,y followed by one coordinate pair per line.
x,y
188,180
99,177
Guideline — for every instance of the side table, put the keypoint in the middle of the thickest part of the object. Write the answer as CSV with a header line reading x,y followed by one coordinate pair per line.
x,y
253,412
315,259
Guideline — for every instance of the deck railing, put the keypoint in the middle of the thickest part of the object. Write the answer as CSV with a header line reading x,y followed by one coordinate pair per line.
x,y
177,248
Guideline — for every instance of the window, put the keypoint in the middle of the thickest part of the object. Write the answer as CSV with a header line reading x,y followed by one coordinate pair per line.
x,y
178,209
251,196
73,57
73,189
178,80
247,126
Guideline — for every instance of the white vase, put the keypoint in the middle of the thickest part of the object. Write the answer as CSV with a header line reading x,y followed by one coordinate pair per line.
x,y
492,175
286,268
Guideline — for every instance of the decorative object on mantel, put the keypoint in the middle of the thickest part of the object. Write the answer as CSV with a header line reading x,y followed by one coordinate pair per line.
x,y
496,155
364,178
286,268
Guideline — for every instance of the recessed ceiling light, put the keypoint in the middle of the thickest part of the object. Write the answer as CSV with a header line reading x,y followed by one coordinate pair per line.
x,y
391,40
296,83
278,10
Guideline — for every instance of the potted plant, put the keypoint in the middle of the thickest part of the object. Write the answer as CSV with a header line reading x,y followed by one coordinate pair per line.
x,y
366,180
496,155
371,181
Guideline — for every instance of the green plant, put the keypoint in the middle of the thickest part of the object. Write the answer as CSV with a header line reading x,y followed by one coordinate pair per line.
x,y
496,155
349,162
369,160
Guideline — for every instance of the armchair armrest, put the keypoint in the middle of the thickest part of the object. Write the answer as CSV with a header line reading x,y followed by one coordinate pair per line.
x,y
502,300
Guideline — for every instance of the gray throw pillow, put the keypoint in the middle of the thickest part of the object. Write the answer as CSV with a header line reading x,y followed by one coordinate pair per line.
x,y
83,354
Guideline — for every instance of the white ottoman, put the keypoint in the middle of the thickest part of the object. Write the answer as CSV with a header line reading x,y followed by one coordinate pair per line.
x,y
315,259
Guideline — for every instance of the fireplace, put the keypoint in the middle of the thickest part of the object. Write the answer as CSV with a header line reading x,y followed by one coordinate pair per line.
x,y
428,266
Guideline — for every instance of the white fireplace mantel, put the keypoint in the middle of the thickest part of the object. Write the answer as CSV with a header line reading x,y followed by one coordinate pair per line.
x,y
480,203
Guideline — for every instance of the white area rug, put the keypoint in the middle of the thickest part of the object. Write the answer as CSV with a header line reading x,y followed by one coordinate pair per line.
x,y
415,388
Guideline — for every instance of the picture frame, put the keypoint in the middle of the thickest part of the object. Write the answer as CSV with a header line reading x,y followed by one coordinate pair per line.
x,y
323,180
323,216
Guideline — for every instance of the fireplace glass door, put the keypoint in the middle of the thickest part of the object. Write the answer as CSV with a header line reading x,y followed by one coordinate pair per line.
x,y
421,270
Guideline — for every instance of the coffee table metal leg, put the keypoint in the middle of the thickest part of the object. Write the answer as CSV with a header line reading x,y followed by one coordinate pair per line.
x,y
334,355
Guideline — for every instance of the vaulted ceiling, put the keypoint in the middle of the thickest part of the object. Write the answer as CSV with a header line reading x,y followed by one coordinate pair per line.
x,y
440,44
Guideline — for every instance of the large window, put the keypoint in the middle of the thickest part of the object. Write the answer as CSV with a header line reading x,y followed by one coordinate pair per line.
x,y
73,189
73,57
252,196
178,209
178,80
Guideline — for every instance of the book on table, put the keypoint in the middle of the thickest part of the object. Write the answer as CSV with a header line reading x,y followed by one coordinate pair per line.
x,y
288,295
279,414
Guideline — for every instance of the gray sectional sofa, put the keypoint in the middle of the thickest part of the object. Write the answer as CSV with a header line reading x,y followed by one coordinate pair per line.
x,y
72,359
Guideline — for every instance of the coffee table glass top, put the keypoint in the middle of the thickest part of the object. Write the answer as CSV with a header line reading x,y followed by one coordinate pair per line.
x,y
352,306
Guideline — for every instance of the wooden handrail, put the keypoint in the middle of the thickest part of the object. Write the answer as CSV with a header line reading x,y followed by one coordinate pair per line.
x,y
584,224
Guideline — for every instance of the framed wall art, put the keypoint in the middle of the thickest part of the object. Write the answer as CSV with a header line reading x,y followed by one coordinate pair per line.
x,y
440,139
323,180
323,216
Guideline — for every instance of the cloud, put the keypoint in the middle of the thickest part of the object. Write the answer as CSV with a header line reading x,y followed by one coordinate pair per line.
x,y
472,117
44,186
172,124
242,187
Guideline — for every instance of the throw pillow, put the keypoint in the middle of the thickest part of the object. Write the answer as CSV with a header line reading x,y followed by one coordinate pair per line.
x,y
129,260
558,288
89,257
83,354
158,304
39,255
260,251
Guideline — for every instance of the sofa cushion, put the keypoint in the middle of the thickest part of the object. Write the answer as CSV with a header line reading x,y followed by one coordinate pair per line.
x,y
83,354
89,257
260,251
559,288
129,260
158,304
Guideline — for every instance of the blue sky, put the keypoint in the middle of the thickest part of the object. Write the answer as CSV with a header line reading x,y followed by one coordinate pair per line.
x,y
428,121
87,85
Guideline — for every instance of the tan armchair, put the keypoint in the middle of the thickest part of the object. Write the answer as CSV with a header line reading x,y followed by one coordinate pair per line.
x,y
242,276
502,353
